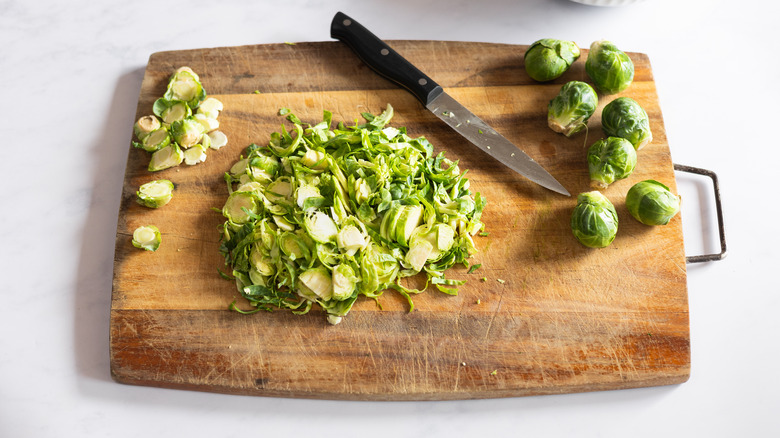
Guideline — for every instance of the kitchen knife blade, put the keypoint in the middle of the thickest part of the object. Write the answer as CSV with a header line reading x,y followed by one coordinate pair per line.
x,y
388,63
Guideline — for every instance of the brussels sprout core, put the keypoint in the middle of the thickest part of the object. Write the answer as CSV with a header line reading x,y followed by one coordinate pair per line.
x,y
610,160
194,155
569,111
547,59
145,125
623,117
652,203
594,221
155,194
147,237
610,69
218,139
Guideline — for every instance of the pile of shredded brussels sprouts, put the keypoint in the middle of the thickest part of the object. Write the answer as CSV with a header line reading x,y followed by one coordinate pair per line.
x,y
322,216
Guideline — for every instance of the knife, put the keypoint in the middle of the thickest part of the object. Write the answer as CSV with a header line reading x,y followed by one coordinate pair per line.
x,y
388,63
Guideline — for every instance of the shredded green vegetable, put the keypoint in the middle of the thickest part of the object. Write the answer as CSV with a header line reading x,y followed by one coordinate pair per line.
x,y
322,216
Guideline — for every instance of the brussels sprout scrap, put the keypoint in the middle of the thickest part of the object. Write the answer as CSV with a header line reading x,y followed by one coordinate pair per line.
x,y
324,214
547,58
184,124
147,237
610,160
652,203
569,111
610,69
155,194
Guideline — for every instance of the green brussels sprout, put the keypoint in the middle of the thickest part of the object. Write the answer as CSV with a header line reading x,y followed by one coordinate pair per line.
x,y
171,110
610,160
651,203
623,117
594,221
165,158
155,194
569,111
155,140
547,58
344,281
146,125
147,237
320,227
240,206
184,85
194,155
187,132
610,69
315,283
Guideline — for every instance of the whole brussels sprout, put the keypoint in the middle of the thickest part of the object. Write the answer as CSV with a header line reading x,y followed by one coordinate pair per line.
x,y
594,221
651,203
569,111
623,117
610,160
547,58
610,69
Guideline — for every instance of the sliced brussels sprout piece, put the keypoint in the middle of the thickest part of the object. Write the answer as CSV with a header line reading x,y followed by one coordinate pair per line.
x,y
211,108
165,158
184,85
314,160
171,110
147,237
145,125
569,111
155,194
320,227
548,58
208,123
195,155
652,203
611,70
155,140
610,160
241,206
262,167
624,117
594,221
187,132
218,139
351,239
344,281
316,283
418,254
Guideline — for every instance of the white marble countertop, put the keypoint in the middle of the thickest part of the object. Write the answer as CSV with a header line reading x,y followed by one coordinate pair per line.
x,y
70,74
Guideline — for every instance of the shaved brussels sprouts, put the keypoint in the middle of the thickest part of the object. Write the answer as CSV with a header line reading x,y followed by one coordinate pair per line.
x,y
184,85
569,111
610,160
547,58
145,125
155,194
623,117
218,139
594,221
147,237
165,158
324,214
209,124
652,203
610,69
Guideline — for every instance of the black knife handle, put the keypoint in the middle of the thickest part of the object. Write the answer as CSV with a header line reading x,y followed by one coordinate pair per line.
x,y
382,59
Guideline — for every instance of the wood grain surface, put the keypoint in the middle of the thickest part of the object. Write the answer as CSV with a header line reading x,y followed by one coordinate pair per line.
x,y
565,319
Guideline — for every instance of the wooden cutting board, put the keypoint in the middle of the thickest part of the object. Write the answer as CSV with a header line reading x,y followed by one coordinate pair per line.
x,y
565,319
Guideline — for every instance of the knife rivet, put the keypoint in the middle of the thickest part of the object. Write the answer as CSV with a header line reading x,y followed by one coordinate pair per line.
x,y
422,81
346,22
384,52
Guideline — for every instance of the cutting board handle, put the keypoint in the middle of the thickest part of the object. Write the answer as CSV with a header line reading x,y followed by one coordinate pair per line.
x,y
718,210
383,59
